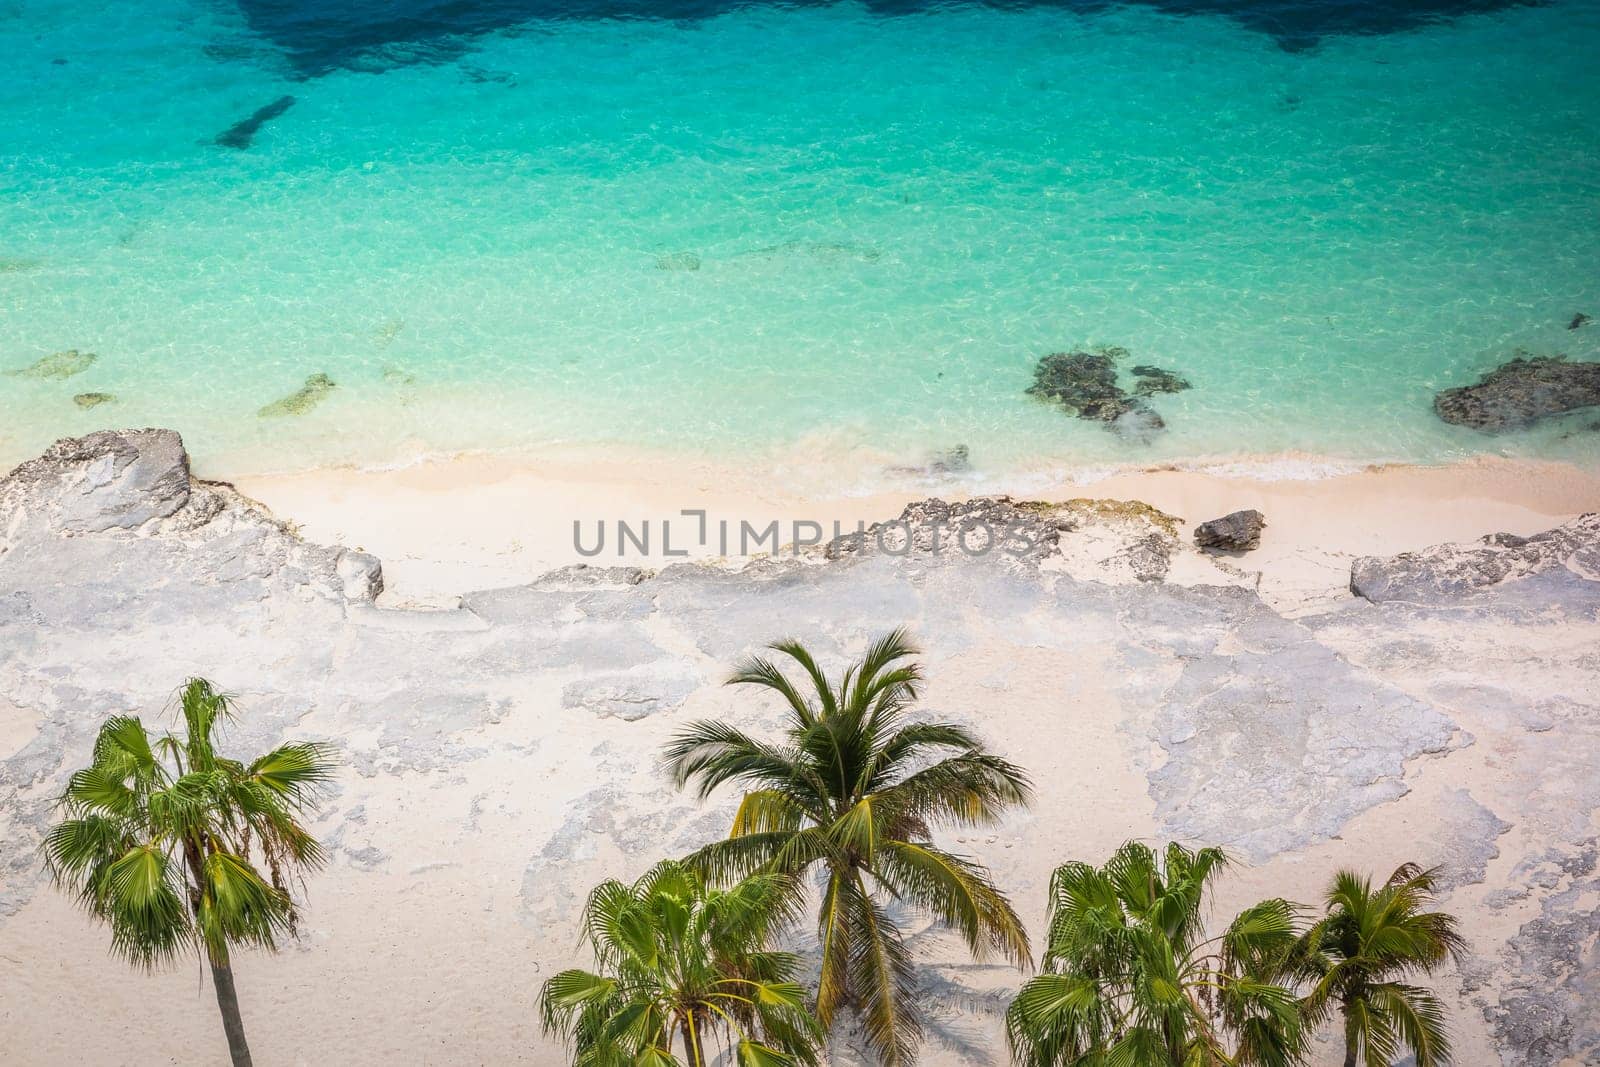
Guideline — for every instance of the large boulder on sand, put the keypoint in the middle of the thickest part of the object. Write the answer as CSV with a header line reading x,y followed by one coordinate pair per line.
x,y
1238,532
1521,392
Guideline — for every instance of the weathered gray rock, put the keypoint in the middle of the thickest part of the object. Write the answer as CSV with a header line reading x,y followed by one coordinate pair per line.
x,y
984,527
1521,392
1449,572
360,573
105,480
1239,531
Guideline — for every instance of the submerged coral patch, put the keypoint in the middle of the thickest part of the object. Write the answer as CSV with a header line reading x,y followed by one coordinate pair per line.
x,y
57,365
302,399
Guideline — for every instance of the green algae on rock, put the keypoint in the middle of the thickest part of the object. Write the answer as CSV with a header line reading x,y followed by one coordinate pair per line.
x,y
93,400
57,365
302,399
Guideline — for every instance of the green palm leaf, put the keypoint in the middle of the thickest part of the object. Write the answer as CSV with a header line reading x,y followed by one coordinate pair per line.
x,y
854,789
166,841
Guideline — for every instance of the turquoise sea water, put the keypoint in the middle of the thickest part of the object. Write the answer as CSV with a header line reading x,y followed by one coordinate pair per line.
x,y
486,239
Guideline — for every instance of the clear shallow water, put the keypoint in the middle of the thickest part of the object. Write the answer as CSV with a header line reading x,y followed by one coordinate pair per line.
x,y
484,239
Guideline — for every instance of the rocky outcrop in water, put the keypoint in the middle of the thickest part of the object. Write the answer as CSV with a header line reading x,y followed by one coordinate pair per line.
x,y
1084,384
57,366
1153,380
302,400
1237,532
1445,573
1520,393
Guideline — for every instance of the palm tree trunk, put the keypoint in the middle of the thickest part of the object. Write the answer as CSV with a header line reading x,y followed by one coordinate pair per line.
x,y
221,973
232,1021
1351,1042
691,1043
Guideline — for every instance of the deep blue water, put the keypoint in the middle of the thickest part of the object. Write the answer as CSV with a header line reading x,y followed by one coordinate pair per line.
x,y
318,36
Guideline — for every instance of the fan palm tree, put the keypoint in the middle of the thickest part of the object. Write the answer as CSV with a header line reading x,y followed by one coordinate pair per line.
x,y
1368,940
855,788
165,840
681,962
1130,977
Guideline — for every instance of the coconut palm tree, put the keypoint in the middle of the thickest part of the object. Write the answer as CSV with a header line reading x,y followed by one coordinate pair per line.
x,y
166,841
1369,939
1130,977
855,789
679,962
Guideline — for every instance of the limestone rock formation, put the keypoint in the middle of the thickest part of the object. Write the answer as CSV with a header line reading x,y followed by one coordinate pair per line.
x,y
1443,573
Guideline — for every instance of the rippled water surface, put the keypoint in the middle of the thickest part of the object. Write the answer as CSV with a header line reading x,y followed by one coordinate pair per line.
x,y
783,232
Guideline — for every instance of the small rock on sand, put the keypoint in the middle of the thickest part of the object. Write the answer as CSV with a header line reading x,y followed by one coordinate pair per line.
x,y
92,400
1238,532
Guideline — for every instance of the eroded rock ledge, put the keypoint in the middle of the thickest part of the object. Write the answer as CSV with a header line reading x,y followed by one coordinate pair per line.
x,y
1566,555
135,489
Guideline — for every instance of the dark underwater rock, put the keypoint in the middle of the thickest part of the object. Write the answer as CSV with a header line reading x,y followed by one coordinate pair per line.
x,y
302,399
1237,532
57,366
92,400
1580,319
1084,383
1521,392
243,132
1153,380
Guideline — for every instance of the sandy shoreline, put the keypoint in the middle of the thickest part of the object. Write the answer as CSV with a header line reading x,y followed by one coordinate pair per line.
x,y
445,526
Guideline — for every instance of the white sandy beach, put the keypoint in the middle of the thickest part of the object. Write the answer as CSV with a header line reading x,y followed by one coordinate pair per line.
x,y
446,525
